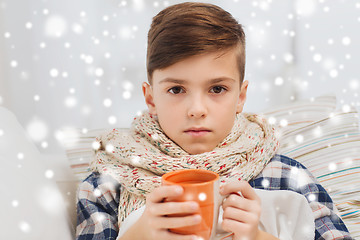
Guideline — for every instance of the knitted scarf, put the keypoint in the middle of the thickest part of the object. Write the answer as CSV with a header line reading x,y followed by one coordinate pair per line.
x,y
137,159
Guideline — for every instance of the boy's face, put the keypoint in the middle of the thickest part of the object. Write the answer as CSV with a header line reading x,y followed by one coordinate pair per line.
x,y
196,100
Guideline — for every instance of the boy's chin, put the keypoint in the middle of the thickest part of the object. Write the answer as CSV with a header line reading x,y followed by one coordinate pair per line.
x,y
198,150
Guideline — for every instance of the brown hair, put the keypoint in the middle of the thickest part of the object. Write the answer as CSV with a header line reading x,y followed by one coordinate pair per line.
x,y
191,28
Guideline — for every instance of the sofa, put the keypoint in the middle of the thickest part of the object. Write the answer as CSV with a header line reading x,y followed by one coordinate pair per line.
x,y
39,201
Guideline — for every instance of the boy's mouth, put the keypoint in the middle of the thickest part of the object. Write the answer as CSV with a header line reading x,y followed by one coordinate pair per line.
x,y
197,132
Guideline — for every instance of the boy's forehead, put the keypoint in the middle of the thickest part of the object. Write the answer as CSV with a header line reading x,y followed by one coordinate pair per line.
x,y
212,66
185,81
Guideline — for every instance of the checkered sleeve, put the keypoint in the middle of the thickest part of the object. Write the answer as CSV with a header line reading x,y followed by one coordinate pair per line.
x,y
97,208
284,173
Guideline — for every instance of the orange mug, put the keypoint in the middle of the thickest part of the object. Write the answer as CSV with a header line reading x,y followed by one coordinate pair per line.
x,y
201,186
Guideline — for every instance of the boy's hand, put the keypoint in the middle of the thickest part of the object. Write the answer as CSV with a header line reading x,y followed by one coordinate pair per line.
x,y
154,223
241,214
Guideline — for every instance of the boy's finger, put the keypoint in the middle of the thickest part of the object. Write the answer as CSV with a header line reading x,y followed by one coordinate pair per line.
x,y
162,192
177,222
237,201
240,215
241,187
166,235
169,208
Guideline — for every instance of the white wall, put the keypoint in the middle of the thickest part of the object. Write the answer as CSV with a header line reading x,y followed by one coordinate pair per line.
x,y
75,38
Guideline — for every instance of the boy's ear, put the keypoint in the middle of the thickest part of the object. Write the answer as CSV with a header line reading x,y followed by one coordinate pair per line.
x,y
242,97
149,99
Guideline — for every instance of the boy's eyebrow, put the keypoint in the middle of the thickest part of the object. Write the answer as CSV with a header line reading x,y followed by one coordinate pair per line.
x,y
172,80
181,81
220,79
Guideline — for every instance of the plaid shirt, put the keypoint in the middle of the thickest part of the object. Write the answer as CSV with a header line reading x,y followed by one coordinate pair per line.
x,y
98,200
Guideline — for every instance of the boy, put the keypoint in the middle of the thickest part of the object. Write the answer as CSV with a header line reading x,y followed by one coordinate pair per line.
x,y
195,97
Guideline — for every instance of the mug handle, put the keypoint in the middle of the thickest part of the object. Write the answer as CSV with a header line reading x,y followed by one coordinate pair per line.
x,y
218,233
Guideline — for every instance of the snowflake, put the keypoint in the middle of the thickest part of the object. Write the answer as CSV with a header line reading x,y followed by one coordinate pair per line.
x,y
288,57
317,131
300,177
97,82
15,203
28,25
49,174
202,196
332,167
123,4
126,95
105,18
354,84
283,122
54,72
299,138
70,102
311,197
305,7
50,199
346,108
125,32
279,81
317,57
107,102
272,120
109,148
135,160
265,183
128,86
25,227
99,72
37,130
138,5
329,63
97,192
88,59
44,144
13,64
346,41
95,145
77,28
333,73
55,26
112,120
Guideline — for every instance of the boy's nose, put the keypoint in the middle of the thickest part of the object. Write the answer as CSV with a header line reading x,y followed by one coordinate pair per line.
x,y
197,108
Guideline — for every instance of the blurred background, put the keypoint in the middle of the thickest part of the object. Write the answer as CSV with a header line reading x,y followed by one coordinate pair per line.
x,y
79,64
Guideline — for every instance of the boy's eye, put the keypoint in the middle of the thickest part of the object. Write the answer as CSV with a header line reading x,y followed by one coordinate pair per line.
x,y
217,89
175,90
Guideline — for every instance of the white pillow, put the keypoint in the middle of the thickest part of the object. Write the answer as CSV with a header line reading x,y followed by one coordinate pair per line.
x,y
327,142
32,207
